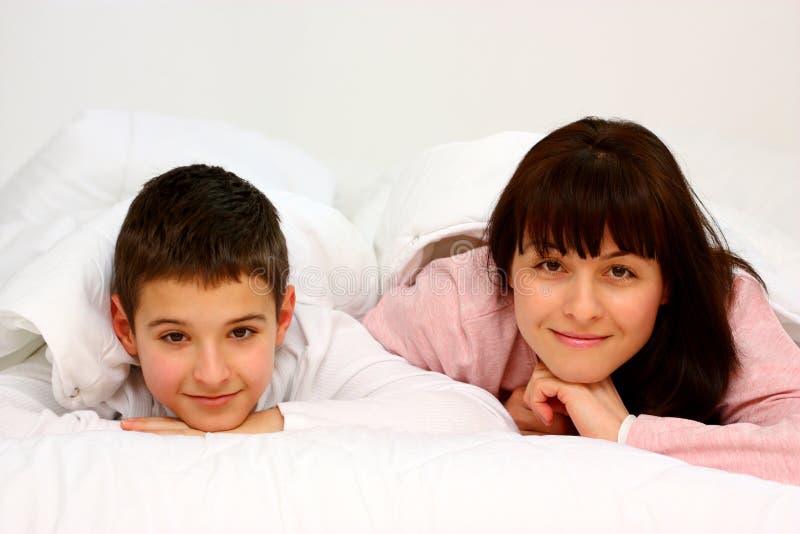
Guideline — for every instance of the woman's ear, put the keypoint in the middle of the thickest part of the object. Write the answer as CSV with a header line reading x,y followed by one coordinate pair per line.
x,y
122,326
285,314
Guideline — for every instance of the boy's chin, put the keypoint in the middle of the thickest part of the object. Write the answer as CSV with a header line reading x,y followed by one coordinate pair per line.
x,y
221,423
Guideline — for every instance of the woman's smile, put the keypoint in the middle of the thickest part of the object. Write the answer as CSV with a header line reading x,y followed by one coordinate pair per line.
x,y
579,340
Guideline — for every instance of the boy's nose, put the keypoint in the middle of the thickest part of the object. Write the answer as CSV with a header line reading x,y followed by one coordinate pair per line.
x,y
211,367
582,302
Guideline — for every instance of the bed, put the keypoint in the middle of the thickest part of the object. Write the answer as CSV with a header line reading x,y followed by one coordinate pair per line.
x,y
326,479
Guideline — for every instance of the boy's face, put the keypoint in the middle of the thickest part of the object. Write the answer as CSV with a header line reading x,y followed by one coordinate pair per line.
x,y
206,353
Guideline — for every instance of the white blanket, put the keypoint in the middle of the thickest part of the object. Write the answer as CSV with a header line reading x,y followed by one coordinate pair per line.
x,y
356,480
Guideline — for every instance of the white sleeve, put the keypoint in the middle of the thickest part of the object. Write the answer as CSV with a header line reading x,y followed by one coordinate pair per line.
x,y
28,407
355,381
625,428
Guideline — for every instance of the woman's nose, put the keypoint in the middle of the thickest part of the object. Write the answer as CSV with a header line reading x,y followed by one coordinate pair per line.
x,y
581,300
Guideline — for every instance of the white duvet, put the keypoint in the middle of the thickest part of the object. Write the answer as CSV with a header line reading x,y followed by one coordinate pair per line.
x,y
321,480
355,480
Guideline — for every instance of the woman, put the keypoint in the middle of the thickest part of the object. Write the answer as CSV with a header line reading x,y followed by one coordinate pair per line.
x,y
611,307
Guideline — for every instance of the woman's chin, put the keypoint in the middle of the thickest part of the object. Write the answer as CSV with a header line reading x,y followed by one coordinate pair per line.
x,y
578,376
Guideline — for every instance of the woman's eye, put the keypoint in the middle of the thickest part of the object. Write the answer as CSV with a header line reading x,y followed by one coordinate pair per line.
x,y
241,333
551,266
173,337
620,272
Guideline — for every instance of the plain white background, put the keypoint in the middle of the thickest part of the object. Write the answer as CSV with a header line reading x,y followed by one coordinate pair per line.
x,y
363,85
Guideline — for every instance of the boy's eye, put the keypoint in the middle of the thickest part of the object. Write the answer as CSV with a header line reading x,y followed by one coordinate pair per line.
x,y
173,337
241,333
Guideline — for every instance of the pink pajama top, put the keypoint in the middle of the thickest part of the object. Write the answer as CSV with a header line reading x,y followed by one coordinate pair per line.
x,y
455,321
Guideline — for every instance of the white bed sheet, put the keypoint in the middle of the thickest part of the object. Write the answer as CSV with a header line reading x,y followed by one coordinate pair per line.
x,y
357,480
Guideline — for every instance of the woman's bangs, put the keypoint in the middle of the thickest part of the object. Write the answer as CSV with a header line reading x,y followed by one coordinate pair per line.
x,y
570,211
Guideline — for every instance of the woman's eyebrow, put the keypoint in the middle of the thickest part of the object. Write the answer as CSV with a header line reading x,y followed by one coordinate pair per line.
x,y
616,254
528,245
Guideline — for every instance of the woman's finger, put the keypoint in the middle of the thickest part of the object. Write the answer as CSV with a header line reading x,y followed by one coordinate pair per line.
x,y
529,422
558,406
542,395
540,371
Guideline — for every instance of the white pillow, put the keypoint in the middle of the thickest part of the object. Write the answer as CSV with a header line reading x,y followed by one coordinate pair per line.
x,y
63,296
446,192
104,156
440,201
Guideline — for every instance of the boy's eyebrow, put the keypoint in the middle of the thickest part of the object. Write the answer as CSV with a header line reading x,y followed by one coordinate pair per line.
x,y
158,322
249,317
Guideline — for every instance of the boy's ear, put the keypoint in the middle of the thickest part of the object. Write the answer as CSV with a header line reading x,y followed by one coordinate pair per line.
x,y
122,326
285,314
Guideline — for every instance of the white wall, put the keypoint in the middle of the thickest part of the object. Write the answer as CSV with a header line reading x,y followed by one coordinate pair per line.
x,y
362,85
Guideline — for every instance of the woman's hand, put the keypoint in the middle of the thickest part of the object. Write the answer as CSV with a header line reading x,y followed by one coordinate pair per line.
x,y
529,422
256,423
596,409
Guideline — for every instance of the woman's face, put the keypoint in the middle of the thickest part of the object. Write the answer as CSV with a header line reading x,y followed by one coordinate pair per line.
x,y
584,318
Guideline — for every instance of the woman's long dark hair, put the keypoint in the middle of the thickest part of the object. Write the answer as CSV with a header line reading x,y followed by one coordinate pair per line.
x,y
595,174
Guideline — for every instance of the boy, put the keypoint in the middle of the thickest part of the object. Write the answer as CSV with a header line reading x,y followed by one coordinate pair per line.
x,y
201,301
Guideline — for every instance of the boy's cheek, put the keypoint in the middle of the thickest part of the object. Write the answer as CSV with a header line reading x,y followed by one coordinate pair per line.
x,y
159,377
264,371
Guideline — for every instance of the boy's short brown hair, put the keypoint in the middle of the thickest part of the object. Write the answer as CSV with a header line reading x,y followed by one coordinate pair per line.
x,y
199,223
